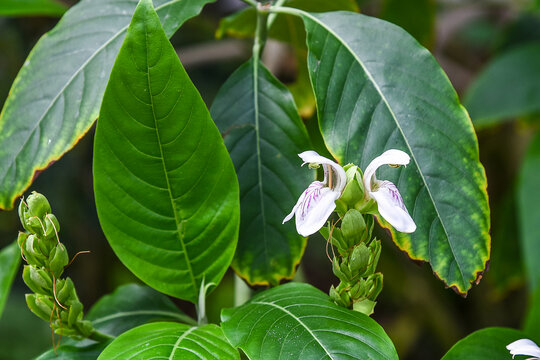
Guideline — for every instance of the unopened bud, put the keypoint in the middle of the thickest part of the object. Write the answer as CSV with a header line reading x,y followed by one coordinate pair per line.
x,y
58,260
52,226
38,205
38,280
44,314
359,260
353,227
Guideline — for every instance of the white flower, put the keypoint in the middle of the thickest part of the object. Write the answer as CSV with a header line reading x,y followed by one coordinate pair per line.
x,y
318,201
385,193
524,347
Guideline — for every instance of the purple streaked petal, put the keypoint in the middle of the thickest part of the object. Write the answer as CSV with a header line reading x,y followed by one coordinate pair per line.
x,y
392,208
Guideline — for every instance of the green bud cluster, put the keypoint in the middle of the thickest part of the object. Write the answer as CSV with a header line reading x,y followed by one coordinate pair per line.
x,y
54,299
358,254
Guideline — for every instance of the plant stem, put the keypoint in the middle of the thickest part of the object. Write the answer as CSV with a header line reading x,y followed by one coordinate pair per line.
x,y
100,337
272,16
260,31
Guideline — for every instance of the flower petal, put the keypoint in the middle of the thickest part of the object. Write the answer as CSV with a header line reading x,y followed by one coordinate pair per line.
x,y
389,157
392,208
311,156
523,347
313,208
315,217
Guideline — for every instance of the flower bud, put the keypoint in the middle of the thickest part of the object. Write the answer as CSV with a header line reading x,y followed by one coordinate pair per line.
x,y
353,227
359,259
52,226
64,290
353,193
374,254
336,268
40,305
364,306
58,260
38,205
38,280
33,251
75,313
375,285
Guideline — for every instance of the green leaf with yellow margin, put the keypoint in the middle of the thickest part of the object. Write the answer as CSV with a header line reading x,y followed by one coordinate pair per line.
x,y
377,88
56,96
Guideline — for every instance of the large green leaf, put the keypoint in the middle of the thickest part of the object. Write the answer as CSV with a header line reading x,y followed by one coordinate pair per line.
x,y
485,344
297,321
31,8
377,88
10,259
57,93
128,307
507,87
529,211
171,341
263,132
166,191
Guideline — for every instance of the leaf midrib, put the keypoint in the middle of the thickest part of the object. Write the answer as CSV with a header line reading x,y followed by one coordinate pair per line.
x,y
255,61
179,223
383,97
182,337
122,314
298,320
70,80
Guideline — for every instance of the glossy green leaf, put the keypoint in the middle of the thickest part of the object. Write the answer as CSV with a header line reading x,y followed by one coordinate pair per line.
x,y
31,8
171,341
529,216
515,72
417,17
264,135
57,93
297,321
165,187
485,344
128,307
10,259
377,88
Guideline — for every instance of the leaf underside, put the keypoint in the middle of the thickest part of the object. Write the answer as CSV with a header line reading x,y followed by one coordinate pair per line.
x,y
377,89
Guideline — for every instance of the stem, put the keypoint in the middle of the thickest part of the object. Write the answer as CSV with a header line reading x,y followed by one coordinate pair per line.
x,y
100,337
272,16
260,32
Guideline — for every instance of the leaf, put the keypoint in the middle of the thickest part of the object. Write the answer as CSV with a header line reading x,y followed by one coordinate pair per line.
x,y
485,344
377,88
529,215
297,321
128,307
514,72
10,259
171,341
32,8
288,29
166,191
132,305
263,132
57,93
417,17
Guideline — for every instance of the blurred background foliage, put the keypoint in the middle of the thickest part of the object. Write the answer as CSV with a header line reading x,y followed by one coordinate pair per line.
x,y
491,53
